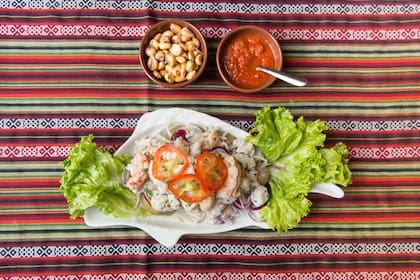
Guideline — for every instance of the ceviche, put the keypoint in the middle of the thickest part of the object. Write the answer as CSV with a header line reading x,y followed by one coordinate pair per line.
x,y
201,172
205,173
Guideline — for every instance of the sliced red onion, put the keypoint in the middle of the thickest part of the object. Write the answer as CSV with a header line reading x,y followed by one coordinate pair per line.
x,y
125,177
237,204
219,221
180,133
253,214
138,200
221,149
254,207
240,204
139,196
146,197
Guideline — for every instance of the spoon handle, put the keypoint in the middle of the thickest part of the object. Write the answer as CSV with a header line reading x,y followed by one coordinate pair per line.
x,y
328,189
288,78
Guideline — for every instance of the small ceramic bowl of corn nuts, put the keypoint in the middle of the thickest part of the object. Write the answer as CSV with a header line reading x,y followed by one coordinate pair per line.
x,y
173,53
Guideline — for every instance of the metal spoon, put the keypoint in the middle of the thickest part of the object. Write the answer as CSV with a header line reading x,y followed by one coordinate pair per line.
x,y
288,78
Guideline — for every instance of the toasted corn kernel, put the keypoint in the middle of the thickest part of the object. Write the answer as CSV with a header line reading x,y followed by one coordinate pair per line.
x,y
190,66
168,33
186,34
152,63
180,79
161,65
190,55
190,75
191,46
150,51
175,28
176,49
157,74
196,42
176,39
169,78
154,43
164,45
181,59
199,59
169,68
176,71
170,59
157,37
160,55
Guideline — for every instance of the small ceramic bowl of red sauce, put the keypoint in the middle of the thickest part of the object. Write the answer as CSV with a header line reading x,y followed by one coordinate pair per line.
x,y
241,51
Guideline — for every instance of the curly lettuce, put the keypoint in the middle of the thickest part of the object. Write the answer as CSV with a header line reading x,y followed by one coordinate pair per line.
x,y
297,147
94,177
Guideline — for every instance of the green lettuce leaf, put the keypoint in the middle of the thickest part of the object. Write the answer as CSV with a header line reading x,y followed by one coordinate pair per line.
x,y
284,211
275,132
94,177
296,148
337,170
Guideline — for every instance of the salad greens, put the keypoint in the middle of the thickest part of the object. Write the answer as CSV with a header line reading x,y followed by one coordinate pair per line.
x,y
93,177
296,146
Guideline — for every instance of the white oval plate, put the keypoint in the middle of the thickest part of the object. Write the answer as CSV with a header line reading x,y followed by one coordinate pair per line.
x,y
168,229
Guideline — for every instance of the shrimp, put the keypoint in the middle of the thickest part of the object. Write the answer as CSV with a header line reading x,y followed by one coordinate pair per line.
x,y
242,146
247,162
193,211
204,141
230,189
140,172
210,140
207,203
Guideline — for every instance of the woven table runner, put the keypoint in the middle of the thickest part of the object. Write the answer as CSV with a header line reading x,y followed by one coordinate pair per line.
x,y
71,68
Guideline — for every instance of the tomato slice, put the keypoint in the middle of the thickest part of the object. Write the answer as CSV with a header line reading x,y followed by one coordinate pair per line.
x,y
212,170
169,162
189,188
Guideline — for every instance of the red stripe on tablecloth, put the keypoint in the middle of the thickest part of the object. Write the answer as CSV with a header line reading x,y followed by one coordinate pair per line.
x,y
70,59
386,181
144,14
26,182
38,218
397,62
360,216
58,132
112,77
160,265
40,200
220,258
45,91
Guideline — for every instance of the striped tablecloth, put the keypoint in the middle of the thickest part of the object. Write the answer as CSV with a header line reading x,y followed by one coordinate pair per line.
x,y
69,68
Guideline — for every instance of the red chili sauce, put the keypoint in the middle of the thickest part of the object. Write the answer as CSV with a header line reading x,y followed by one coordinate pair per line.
x,y
245,52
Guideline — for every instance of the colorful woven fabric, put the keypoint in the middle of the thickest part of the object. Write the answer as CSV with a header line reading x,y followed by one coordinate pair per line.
x,y
71,68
